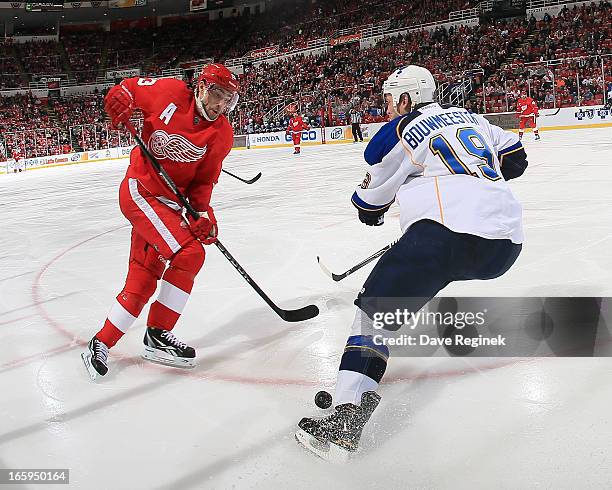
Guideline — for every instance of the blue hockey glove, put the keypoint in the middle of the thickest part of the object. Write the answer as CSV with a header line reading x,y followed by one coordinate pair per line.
x,y
372,218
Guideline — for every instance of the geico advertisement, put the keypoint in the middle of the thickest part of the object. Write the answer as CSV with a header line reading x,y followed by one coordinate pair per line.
x,y
309,135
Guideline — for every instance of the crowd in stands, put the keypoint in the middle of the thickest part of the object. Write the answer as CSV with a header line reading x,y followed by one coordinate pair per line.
x,y
84,51
307,20
500,59
25,124
23,112
129,47
579,31
557,64
39,127
160,47
8,66
346,76
573,82
41,57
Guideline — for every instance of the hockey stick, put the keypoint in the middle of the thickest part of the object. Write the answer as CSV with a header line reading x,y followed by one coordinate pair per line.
x,y
554,113
339,277
250,181
298,315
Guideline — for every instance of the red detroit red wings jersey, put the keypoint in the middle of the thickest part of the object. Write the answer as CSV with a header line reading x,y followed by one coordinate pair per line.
x,y
190,148
297,125
526,107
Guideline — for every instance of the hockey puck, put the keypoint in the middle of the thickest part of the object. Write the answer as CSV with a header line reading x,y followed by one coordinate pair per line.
x,y
323,399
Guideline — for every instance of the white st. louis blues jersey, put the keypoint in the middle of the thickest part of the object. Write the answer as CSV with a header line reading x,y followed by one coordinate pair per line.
x,y
443,164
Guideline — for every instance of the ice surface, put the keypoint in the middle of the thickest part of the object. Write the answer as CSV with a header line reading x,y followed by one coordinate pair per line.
x,y
229,423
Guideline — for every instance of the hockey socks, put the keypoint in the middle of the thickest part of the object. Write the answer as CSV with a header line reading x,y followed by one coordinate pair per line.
x,y
362,367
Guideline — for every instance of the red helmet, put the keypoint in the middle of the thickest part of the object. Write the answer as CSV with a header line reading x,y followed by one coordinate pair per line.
x,y
219,75
216,76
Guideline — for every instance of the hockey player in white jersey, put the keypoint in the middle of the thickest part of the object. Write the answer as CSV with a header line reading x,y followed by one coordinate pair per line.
x,y
447,169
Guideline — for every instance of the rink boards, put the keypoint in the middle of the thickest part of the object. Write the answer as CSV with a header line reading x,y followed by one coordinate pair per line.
x,y
550,119
68,159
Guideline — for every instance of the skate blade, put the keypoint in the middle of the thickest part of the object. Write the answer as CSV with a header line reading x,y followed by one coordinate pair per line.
x,y
325,450
155,355
93,374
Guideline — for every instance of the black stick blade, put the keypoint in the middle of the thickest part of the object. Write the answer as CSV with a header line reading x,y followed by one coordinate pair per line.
x,y
328,273
246,181
254,179
300,315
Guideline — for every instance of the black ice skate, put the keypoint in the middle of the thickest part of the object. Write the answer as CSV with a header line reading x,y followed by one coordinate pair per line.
x,y
336,437
163,347
96,358
537,137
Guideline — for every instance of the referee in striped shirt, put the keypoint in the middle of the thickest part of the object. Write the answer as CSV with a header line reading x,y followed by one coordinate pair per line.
x,y
356,116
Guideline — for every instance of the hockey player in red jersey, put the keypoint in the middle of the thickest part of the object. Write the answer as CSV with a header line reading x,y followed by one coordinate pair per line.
x,y
295,128
527,112
17,156
188,133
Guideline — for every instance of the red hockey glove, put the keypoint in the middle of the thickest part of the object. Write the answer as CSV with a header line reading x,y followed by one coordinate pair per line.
x,y
119,105
205,229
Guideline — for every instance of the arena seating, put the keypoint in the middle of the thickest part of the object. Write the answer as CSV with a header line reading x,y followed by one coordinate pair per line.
x,y
554,59
8,67
84,51
40,57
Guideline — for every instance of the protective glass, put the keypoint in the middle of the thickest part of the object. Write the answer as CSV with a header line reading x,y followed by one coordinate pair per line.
x,y
223,99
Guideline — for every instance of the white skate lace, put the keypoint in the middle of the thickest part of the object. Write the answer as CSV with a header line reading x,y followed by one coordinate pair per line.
x,y
101,352
169,336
